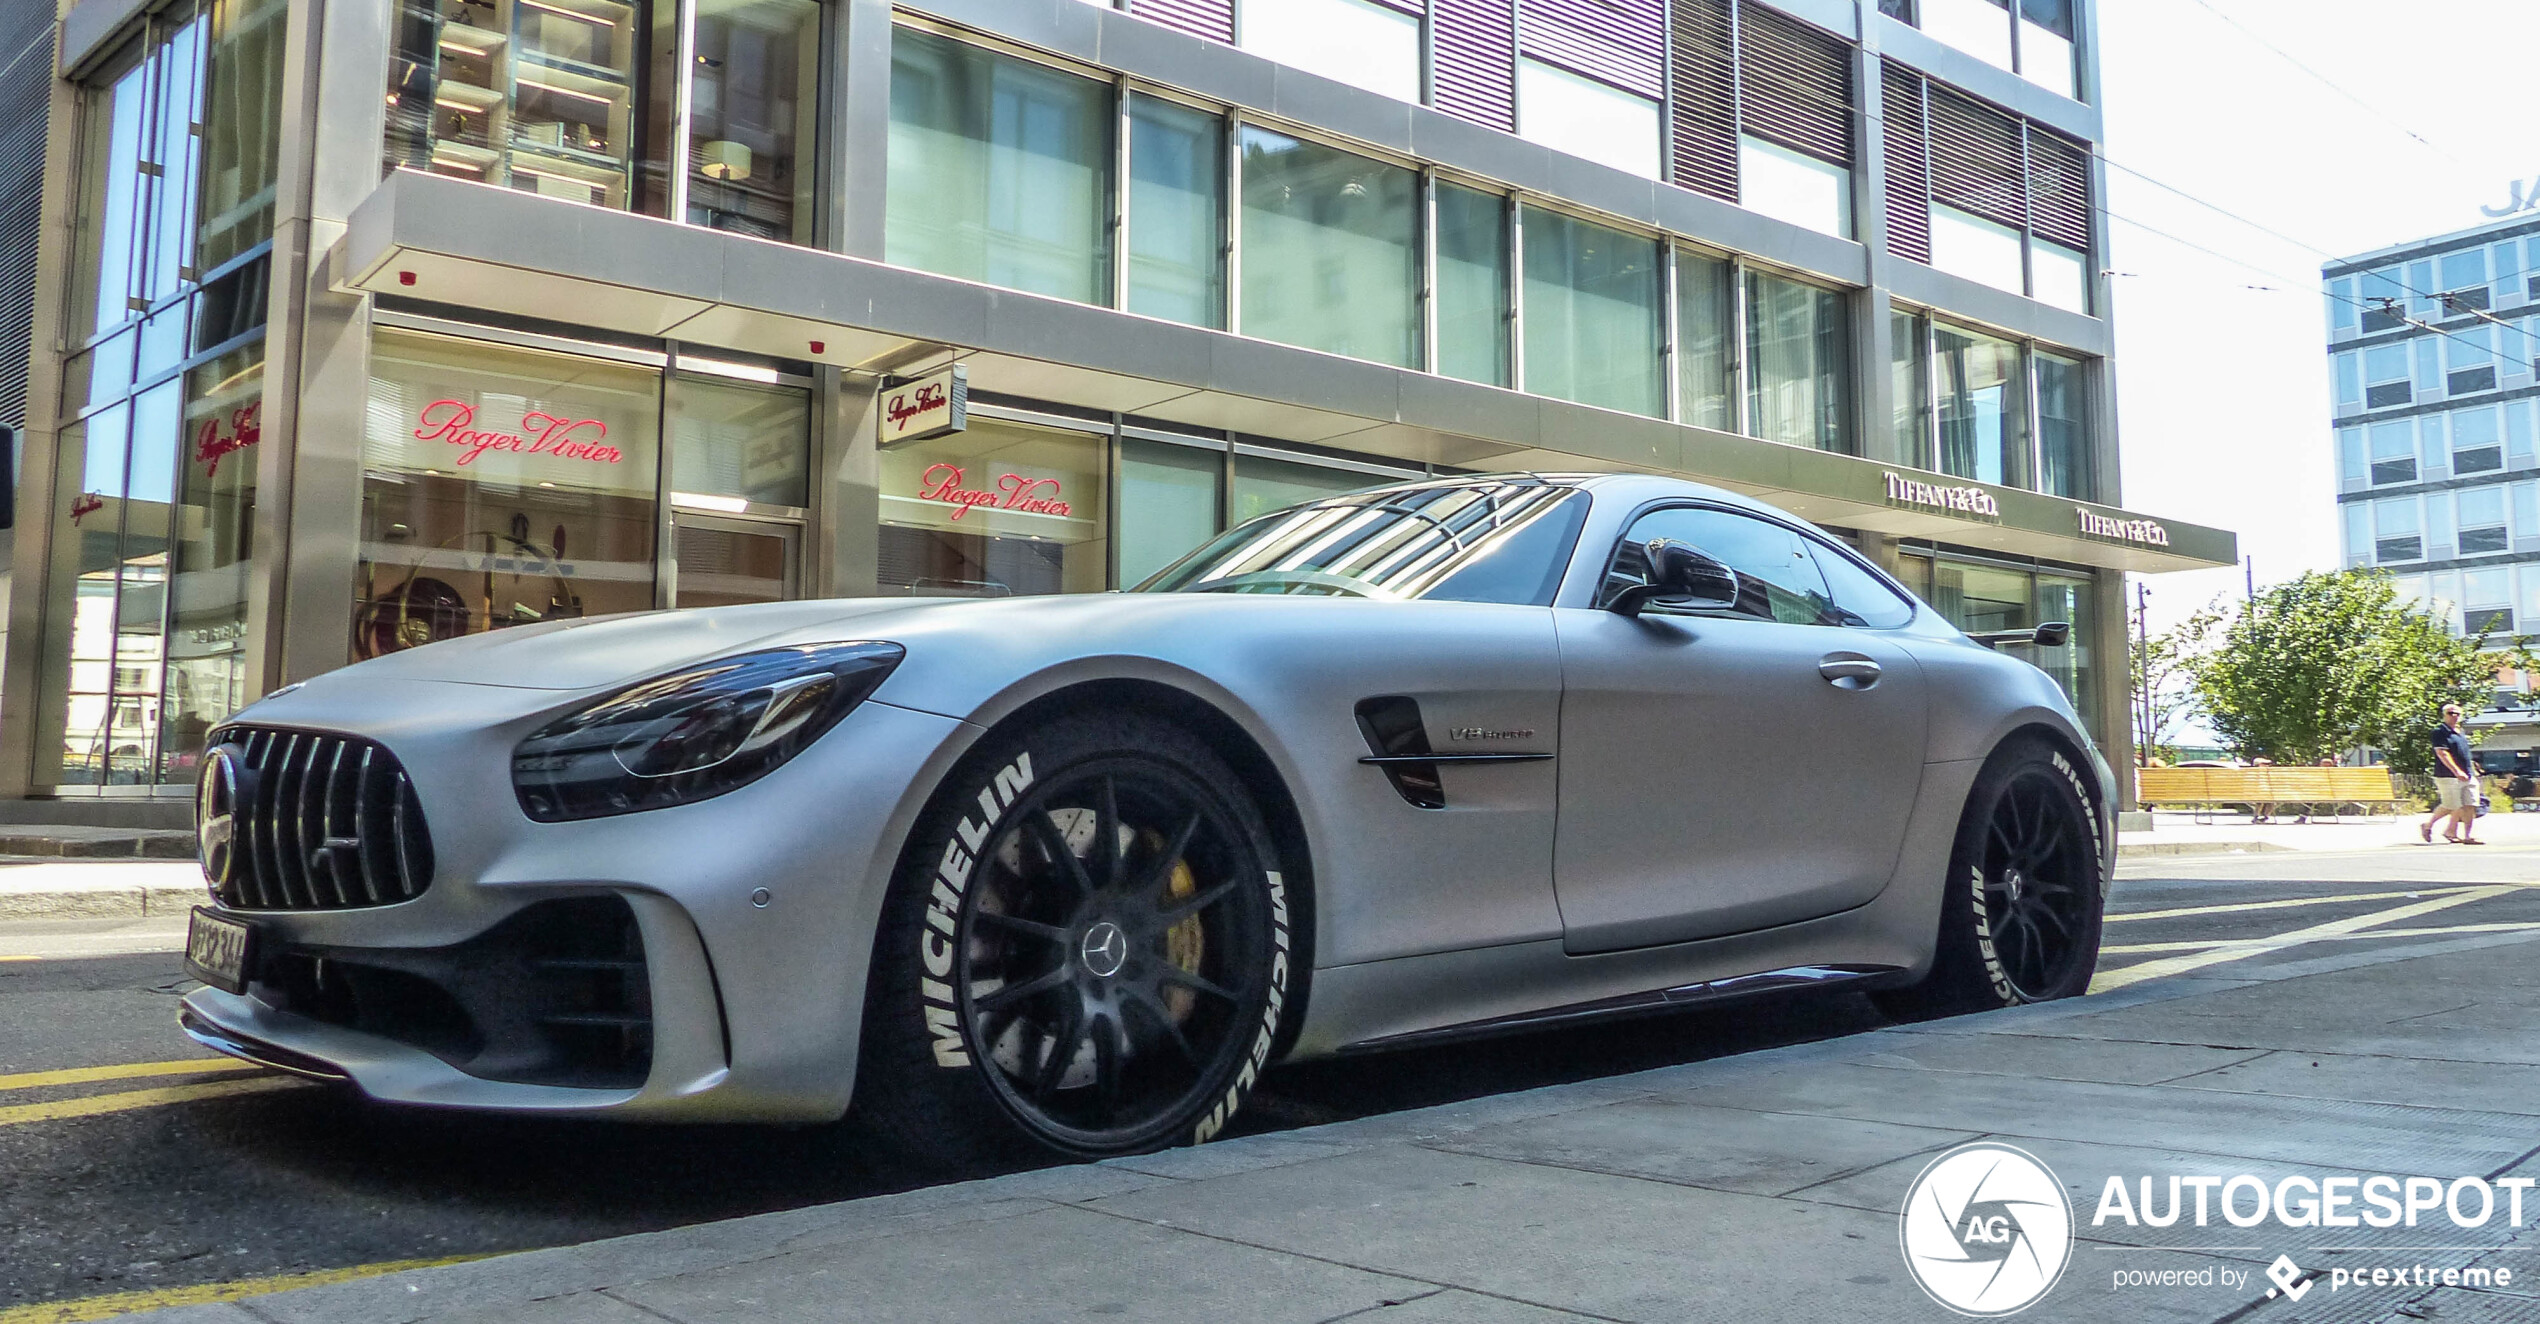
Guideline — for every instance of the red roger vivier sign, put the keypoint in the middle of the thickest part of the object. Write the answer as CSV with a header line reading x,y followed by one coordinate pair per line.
x,y
454,422
213,440
1016,492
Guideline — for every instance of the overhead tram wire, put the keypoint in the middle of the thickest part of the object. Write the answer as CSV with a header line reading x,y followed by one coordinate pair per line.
x,y
2330,83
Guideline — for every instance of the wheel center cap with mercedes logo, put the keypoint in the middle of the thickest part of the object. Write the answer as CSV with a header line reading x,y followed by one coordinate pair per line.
x,y
1104,950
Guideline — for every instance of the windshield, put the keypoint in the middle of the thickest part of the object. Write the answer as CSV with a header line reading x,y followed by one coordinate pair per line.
x,y
1503,540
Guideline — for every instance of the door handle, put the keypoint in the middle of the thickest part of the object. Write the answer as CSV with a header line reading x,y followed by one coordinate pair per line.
x,y
1849,671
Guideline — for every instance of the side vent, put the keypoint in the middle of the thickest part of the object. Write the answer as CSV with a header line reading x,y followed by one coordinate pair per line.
x,y
1400,744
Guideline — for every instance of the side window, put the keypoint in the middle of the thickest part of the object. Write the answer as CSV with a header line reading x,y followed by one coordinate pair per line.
x,y
1859,596
1777,579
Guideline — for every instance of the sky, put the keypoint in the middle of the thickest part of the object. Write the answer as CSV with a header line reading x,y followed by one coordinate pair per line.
x,y
2367,124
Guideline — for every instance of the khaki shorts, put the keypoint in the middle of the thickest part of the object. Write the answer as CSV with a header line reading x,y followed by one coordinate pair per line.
x,y
2455,793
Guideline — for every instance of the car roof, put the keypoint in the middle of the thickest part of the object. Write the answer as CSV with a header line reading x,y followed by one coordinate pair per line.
x,y
1628,486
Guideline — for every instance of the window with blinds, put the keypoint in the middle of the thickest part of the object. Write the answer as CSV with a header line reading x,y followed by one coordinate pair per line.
x,y
1744,73
1971,188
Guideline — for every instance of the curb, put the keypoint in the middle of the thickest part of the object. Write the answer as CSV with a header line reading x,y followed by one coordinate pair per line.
x,y
57,891
73,843
2139,849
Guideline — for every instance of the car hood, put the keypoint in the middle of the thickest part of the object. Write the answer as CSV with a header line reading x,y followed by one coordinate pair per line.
x,y
604,650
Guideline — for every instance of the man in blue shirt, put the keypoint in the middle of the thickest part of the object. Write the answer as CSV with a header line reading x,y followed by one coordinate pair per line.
x,y
2455,783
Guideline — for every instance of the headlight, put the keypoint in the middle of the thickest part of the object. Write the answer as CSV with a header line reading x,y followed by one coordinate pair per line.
x,y
712,728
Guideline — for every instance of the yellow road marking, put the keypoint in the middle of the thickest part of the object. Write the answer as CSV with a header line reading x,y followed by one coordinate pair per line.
x,y
2246,948
95,1104
2342,937
2236,906
199,1066
120,1303
21,958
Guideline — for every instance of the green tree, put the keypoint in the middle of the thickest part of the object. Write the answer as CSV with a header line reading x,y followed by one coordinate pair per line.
x,y
2164,671
2325,662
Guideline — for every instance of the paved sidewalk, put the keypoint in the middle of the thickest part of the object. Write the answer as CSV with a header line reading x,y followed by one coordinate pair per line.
x,y
1755,1188
2182,834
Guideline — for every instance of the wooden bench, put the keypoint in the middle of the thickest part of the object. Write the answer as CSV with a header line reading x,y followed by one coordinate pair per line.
x,y
2264,788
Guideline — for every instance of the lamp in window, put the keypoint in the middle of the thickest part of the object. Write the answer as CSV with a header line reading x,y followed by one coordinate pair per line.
x,y
725,160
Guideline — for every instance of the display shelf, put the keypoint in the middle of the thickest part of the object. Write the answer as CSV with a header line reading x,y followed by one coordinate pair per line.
x,y
537,95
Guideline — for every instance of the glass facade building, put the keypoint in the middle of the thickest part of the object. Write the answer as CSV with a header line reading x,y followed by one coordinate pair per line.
x,y
609,302
2432,348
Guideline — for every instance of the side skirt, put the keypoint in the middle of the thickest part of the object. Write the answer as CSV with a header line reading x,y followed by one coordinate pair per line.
x,y
1631,1004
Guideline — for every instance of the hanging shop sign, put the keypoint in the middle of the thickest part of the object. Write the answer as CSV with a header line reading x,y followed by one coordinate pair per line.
x,y
927,406
2141,532
1010,491
1974,501
214,440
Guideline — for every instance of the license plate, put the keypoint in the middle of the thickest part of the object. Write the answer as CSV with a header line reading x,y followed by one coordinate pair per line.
x,y
217,951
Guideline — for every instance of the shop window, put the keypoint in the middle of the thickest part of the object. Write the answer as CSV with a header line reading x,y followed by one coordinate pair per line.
x,y
1356,42
1000,170
1570,113
1177,206
1798,351
2072,664
242,125
536,95
739,442
740,458
1169,499
1591,316
999,510
501,487
1983,419
209,552
1909,371
2063,428
1330,250
1706,341
1263,485
1472,285
753,90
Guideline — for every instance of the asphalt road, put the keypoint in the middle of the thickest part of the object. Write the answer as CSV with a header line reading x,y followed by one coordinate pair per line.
x,y
136,1165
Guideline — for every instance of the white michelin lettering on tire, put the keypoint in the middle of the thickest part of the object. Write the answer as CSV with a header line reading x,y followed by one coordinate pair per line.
x,y
1273,1005
1993,970
943,909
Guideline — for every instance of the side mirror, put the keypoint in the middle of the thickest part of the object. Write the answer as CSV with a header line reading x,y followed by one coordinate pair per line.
x,y
2053,634
1682,573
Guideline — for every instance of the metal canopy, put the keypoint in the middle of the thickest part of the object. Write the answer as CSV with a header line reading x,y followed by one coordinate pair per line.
x,y
476,246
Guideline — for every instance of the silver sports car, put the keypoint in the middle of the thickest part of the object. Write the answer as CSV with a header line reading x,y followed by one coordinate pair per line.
x,y
1426,761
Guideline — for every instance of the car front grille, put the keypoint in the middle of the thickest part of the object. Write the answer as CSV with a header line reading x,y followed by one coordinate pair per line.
x,y
320,822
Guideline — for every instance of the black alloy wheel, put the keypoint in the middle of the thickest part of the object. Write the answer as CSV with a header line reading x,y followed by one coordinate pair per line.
x,y
1108,963
2038,885
2022,904
1088,950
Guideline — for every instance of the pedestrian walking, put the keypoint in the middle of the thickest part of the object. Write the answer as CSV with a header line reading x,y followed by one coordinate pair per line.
x,y
2455,784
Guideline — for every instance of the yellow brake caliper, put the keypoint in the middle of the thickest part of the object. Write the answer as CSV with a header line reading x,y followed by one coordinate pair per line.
x,y
1185,943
